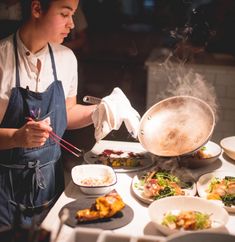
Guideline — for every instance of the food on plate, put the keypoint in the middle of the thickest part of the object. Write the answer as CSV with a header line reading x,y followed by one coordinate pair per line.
x,y
91,181
119,159
159,184
104,207
187,220
222,189
202,153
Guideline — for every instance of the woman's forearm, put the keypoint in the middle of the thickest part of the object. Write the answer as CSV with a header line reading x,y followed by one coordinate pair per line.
x,y
79,116
7,139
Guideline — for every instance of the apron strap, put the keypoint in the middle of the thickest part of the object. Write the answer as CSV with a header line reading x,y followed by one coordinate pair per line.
x,y
35,165
53,63
31,211
17,62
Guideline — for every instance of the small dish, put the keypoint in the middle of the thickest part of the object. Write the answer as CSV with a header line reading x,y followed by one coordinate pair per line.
x,y
206,155
94,179
228,145
204,182
159,208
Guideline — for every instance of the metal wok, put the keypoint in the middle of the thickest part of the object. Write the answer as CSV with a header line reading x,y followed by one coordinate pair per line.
x,y
176,126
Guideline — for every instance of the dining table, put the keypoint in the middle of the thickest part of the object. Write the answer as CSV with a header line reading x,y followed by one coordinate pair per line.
x,y
140,225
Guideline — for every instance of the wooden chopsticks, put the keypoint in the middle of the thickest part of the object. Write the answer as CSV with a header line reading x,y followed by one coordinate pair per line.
x,y
63,143
57,139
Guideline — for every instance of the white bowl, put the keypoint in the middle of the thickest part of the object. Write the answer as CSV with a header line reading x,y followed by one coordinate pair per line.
x,y
94,178
210,149
159,208
228,145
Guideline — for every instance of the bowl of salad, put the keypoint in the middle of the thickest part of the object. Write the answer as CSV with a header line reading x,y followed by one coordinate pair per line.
x,y
186,214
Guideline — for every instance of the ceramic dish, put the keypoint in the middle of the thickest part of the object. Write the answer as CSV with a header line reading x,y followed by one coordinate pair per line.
x,y
159,208
204,182
94,179
228,145
118,220
144,160
207,155
200,236
137,187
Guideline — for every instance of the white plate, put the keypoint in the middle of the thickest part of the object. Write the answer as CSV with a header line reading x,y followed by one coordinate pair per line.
x,y
204,181
91,156
137,189
157,210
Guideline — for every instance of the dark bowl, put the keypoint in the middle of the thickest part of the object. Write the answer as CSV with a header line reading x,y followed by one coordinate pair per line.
x,y
198,236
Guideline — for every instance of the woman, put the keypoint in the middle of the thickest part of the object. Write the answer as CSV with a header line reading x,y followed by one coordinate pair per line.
x,y
38,87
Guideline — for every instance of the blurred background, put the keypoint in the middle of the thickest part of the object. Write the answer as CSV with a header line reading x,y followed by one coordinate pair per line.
x,y
126,40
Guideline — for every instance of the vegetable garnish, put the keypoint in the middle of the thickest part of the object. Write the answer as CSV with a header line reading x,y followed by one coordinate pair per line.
x,y
159,184
187,220
222,189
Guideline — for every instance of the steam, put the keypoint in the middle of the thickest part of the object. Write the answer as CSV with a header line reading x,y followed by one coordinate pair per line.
x,y
191,40
186,81
172,165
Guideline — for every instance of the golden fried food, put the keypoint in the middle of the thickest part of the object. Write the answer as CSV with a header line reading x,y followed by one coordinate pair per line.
x,y
104,207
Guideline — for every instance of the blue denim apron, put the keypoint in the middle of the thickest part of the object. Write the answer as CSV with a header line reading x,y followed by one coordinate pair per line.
x,y
32,178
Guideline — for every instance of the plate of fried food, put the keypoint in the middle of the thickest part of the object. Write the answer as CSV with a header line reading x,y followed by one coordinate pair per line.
x,y
121,156
105,212
219,187
152,185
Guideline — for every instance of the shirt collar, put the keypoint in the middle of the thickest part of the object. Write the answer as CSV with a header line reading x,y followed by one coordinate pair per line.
x,y
26,53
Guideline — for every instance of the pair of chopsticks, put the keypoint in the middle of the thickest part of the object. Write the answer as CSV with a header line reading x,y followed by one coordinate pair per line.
x,y
63,143
57,139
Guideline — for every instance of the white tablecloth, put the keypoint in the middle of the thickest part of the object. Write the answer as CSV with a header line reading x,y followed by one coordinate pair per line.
x,y
140,225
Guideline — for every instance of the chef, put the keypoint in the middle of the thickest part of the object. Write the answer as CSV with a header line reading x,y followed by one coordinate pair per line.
x,y
38,87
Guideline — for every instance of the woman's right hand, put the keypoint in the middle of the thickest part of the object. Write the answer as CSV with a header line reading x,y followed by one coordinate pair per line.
x,y
32,134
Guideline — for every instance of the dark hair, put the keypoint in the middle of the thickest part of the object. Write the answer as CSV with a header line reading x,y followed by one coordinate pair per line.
x,y
26,7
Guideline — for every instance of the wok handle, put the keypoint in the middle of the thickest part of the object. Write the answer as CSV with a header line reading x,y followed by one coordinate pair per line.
x,y
91,100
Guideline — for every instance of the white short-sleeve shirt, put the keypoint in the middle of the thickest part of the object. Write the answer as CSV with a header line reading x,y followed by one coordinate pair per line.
x,y
66,67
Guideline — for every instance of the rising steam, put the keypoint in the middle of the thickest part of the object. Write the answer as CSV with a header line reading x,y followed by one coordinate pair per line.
x,y
191,40
183,80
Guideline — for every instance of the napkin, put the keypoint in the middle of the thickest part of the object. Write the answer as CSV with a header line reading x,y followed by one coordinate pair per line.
x,y
112,111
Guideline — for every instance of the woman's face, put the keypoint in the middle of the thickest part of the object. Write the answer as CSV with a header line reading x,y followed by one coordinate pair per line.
x,y
56,23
